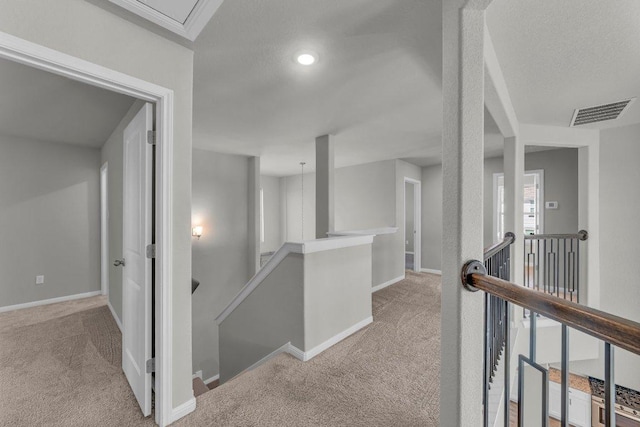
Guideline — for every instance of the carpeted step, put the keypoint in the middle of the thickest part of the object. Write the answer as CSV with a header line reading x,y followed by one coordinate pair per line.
x,y
199,387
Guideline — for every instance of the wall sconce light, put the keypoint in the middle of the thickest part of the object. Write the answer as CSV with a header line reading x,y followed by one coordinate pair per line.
x,y
197,231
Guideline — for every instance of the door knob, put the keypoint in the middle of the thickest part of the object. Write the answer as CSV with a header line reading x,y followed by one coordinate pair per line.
x,y
119,262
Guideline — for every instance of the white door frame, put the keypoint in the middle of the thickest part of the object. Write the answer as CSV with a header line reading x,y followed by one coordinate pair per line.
x,y
496,176
43,58
104,228
417,220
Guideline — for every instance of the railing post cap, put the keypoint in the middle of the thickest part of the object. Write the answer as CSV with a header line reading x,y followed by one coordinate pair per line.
x,y
584,234
469,268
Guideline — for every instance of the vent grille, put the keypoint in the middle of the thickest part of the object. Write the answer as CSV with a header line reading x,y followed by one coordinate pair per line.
x,y
600,113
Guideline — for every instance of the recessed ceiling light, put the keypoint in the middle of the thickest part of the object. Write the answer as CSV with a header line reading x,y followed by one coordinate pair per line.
x,y
306,58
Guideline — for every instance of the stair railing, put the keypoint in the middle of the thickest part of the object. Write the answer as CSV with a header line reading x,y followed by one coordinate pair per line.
x,y
497,263
552,263
615,331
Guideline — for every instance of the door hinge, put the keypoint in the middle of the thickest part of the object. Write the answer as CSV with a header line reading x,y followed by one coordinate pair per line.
x,y
151,366
151,251
151,137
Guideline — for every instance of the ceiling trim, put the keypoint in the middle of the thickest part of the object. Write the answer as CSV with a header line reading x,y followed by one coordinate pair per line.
x,y
190,29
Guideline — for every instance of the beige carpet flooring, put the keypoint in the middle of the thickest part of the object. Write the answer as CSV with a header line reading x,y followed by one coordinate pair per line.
x,y
60,365
385,375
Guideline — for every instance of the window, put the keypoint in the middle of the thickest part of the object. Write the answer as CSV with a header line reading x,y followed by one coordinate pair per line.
x,y
532,207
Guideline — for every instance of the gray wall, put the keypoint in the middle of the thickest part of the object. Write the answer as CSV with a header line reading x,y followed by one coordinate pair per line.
x,y
305,300
293,208
619,245
221,257
432,217
560,184
104,38
49,220
272,213
271,316
408,215
337,292
112,152
366,196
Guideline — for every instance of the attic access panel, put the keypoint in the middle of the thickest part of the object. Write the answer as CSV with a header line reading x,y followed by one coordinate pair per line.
x,y
176,10
186,18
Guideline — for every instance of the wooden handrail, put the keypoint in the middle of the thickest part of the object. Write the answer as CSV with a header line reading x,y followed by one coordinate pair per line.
x,y
509,238
616,330
580,235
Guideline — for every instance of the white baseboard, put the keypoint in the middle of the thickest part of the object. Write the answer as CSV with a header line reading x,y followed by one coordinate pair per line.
x,y
388,283
49,301
212,379
308,355
428,270
182,410
274,353
296,352
198,374
115,316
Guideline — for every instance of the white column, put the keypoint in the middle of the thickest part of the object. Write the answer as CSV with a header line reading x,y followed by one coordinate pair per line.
x,y
513,203
462,162
513,213
324,186
589,219
254,215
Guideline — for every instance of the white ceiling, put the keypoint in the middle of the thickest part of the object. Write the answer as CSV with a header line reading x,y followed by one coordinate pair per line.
x,y
376,86
39,105
557,56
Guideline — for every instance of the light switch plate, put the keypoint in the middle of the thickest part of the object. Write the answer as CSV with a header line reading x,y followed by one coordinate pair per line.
x,y
39,280
551,205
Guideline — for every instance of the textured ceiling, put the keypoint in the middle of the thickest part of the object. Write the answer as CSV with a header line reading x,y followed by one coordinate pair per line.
x,y
557,56
39,105
376,86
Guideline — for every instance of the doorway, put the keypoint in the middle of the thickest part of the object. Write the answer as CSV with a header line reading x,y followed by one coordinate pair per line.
x,y
51,61
412,229
533,204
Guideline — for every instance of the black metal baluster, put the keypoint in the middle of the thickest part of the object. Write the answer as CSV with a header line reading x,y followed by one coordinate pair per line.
x,y
578,270
507,363
564,272
485,389
609,387
565,377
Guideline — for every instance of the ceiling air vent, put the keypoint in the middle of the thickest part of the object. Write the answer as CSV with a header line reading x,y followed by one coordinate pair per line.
x,y
600,113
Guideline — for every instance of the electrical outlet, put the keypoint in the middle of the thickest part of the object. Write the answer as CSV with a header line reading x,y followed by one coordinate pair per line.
x,y
39,280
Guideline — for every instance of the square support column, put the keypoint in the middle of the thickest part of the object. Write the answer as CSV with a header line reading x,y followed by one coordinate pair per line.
x,y
513,203
324,186
254,215
461,374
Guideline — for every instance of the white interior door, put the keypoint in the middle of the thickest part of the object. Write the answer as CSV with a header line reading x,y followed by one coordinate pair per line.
x,y
136,280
